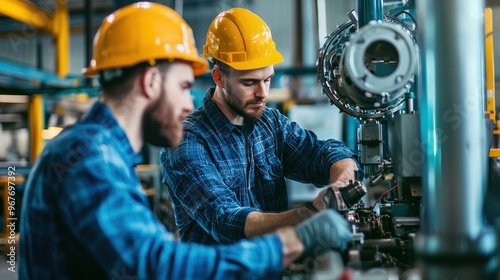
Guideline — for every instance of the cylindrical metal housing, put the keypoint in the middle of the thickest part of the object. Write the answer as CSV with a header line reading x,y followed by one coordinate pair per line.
x,y
454,243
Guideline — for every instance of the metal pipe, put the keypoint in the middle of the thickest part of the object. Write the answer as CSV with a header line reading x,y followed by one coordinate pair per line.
x,y
321,17
309,33
298,53
454,242
61,34
89,33
36,124
369,10
179,6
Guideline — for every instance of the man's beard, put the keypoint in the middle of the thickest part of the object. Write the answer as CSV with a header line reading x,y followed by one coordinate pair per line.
x,y
239,108
167,134
153,134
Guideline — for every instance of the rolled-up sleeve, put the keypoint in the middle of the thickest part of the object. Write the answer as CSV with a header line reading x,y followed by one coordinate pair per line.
x,y
308,159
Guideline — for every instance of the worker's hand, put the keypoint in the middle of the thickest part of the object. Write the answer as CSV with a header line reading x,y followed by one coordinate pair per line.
x,y
319,201
340,198
325,230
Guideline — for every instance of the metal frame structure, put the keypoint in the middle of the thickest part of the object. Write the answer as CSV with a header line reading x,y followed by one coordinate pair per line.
x,y
490,75
57,24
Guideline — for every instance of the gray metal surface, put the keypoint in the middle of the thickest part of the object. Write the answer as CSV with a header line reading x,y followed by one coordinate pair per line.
x,y
453,131
407,154
454,244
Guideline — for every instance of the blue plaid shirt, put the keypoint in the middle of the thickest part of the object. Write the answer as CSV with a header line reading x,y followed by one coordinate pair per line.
x,y
220,172
85,216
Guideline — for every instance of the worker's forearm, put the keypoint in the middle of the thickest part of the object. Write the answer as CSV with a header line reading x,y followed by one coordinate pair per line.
x,y
258,223
343,171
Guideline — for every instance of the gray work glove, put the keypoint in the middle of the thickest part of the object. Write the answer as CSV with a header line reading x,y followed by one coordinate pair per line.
x,y
323,231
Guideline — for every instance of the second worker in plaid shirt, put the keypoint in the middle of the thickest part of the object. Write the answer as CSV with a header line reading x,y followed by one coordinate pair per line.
x,y
85,214
227,176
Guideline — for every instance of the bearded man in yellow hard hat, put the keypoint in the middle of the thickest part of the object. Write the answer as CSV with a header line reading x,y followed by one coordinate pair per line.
x,y
227,176
85,215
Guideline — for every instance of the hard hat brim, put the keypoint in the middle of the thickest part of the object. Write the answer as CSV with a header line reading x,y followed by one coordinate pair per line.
x,y
266,61
200,67
90,72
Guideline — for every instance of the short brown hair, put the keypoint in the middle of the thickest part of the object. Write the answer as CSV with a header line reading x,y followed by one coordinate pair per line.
x,y
224,68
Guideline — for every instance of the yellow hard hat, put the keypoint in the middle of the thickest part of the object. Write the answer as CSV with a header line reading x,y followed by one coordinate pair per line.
x,y
242,40
143,32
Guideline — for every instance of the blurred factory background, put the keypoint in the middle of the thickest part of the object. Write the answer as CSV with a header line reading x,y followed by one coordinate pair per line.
x,y
38,58
44,44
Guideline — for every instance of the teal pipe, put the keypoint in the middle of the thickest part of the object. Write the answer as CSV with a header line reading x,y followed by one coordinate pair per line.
x,y
369,10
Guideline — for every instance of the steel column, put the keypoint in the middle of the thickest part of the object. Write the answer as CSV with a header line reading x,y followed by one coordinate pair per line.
x,y
36,124
454,242
61,33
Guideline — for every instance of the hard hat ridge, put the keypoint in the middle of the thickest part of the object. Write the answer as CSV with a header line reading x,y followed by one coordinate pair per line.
x,y
242,40
143,32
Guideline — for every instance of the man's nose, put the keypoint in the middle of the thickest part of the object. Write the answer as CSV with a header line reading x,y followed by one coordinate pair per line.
x,y
188,105
261,90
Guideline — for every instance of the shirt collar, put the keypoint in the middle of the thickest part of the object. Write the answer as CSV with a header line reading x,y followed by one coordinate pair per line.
x,y
101,114
217,117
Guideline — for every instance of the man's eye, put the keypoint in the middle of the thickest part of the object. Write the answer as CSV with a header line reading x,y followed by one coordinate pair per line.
x,y
186,86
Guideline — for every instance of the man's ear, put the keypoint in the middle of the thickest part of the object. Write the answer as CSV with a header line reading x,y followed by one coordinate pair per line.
x,y
151,82
218,77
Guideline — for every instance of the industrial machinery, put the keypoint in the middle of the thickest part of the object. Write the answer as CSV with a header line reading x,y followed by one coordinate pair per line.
x,y
367,68
424,152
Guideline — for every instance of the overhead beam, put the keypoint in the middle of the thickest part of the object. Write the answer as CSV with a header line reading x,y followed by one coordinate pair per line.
x,y
28,13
